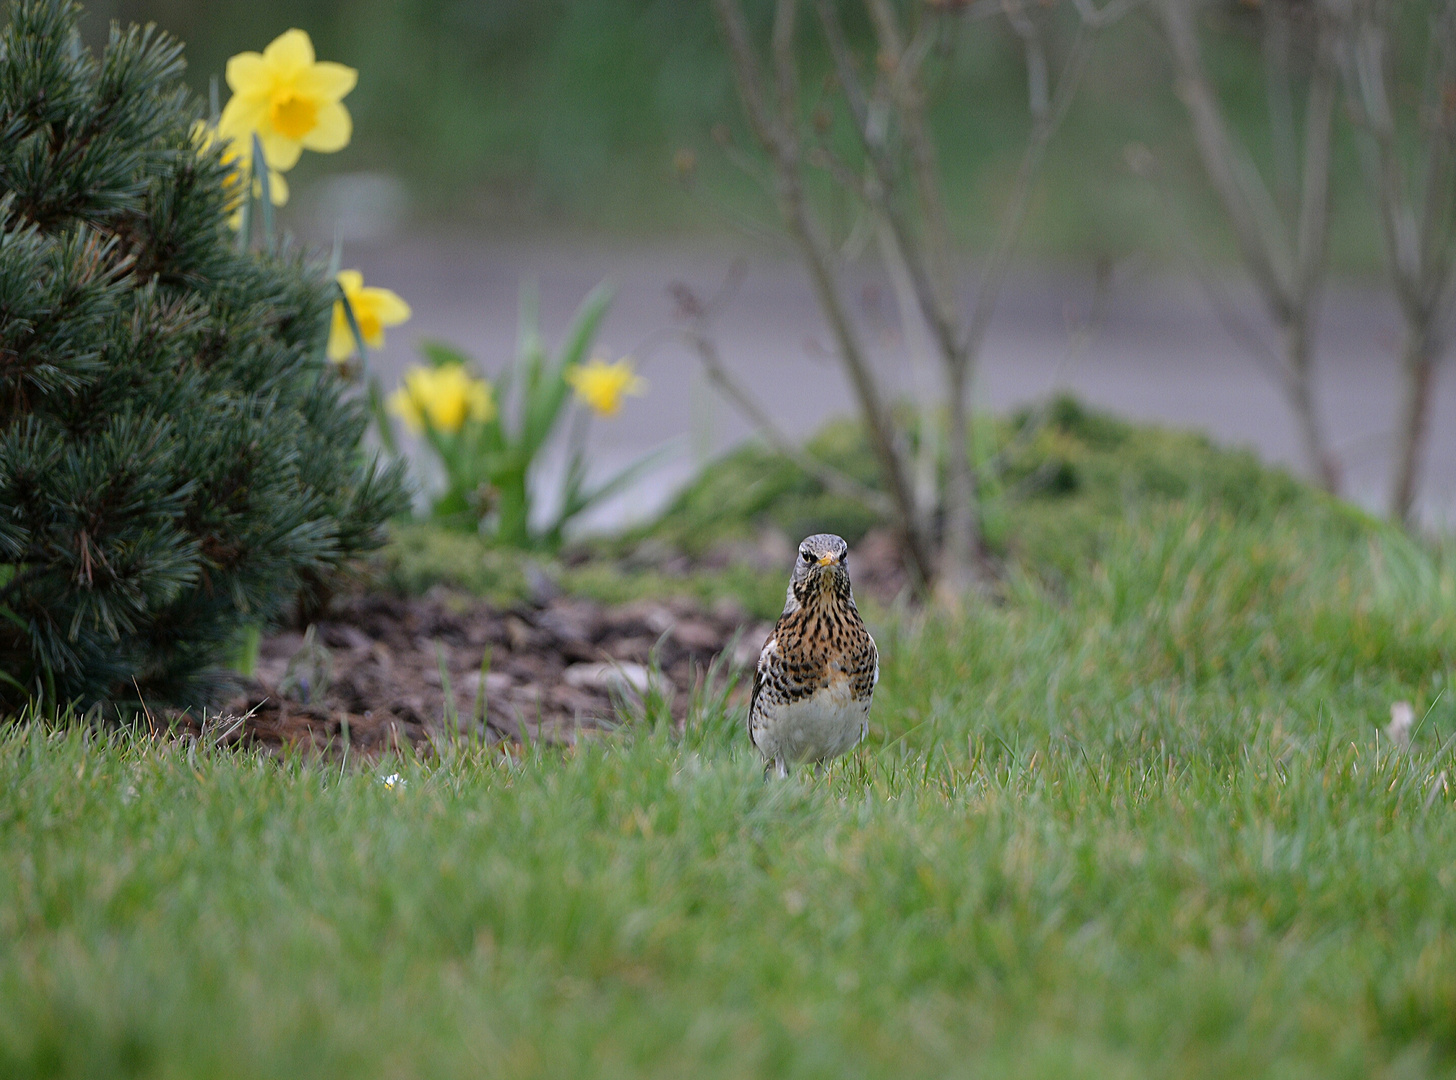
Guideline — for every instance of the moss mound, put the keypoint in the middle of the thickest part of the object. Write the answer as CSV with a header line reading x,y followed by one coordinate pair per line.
x,y
1058,476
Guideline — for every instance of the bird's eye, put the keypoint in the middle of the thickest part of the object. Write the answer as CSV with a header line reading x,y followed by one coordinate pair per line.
x,y
804,554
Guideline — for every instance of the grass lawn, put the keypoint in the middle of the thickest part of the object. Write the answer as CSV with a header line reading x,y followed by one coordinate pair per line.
x,y
1131,817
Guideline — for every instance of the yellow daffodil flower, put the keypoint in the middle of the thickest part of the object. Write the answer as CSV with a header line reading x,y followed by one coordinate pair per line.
x,y
293,102
205,136
374,309
443,397
602,385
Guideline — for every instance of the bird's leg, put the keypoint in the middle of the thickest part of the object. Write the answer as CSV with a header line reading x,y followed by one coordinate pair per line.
x,y
781,768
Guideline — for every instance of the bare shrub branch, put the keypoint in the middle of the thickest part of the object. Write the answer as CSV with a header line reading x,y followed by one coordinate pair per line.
x,y
1417,206
698,333
886,103
777,131
1285,259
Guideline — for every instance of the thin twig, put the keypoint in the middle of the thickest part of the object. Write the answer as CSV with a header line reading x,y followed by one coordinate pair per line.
x,y
1078,342
702,343
1037,80
993,274
941,321
1244,197
1222,305
698,315
908,94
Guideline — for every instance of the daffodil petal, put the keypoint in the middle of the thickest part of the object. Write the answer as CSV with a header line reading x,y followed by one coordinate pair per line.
x,y
241,116
290,51
402,404
328,80
332,132
341,338
281,152
389,309
246,73
351,281
277,187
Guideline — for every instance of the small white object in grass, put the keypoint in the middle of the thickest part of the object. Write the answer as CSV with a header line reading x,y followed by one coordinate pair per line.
x,y
1402,717
392,781
607,676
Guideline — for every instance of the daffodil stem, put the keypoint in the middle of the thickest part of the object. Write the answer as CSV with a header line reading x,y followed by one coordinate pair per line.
x,y
514,508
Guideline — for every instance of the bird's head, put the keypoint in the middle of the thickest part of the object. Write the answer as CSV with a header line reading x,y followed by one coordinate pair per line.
x,y
821,568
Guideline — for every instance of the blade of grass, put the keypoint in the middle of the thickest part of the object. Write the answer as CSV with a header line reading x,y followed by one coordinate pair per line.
x,y
452,711
481,705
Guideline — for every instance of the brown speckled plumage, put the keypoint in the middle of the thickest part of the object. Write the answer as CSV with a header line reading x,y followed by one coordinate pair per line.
x,y
817,672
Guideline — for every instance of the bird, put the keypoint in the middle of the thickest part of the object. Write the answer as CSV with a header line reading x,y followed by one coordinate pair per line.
x,y
818,670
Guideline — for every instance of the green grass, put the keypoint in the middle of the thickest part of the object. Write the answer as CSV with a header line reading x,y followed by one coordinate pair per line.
x,y
1136,821
420,556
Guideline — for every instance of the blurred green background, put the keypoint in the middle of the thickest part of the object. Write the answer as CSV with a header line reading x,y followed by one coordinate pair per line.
x,y
532,116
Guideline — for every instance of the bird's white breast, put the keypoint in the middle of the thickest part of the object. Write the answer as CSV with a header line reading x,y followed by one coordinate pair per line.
x,y
823,725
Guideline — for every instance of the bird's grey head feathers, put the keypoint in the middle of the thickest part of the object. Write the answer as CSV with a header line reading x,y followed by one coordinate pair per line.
x,y
821,566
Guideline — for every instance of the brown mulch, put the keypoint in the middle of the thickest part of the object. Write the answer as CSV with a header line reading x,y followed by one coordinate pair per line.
x,y
369,675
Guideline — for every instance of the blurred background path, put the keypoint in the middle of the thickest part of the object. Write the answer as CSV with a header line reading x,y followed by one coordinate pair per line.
x,y
618,119
1158,354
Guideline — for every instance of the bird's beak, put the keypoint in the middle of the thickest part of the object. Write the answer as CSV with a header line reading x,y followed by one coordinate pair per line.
x,y
827,560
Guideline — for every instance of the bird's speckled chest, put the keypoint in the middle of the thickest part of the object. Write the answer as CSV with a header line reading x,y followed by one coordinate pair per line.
x,y
821,647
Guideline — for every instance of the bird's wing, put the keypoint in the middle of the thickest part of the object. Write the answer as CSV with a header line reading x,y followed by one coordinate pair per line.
x,y
770,647
874,659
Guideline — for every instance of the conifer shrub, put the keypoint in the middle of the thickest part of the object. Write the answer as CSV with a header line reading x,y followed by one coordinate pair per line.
x,y
178,459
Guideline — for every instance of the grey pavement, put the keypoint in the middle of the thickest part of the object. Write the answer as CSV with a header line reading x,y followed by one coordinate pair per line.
x,y
1158,354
